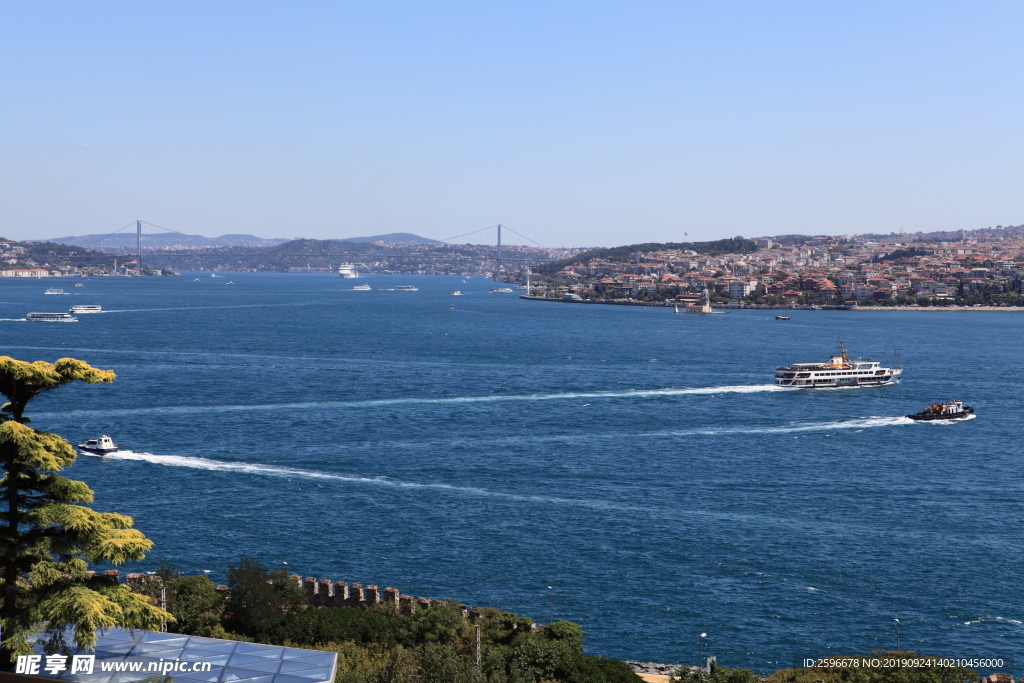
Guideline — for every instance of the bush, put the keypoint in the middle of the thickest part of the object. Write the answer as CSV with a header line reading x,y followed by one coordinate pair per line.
x,y
313,627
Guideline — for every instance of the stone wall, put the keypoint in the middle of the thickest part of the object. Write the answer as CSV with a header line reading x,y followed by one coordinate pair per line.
x,y
327,593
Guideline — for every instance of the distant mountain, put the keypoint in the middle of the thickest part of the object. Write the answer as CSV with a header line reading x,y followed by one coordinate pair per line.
x,y
125,242
393,238
165,240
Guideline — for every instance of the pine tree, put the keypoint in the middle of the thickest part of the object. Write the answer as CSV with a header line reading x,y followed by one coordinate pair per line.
x,y
48,536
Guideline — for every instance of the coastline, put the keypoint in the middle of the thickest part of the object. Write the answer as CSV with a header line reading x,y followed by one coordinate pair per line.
x,y
663,304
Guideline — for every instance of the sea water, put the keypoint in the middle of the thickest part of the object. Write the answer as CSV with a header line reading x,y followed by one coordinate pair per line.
x,y
485,447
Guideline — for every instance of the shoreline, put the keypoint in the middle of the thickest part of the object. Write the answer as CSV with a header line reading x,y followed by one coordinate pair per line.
x,y
662,304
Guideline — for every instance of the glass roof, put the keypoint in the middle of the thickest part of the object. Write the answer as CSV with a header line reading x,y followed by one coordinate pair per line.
x,y
124,656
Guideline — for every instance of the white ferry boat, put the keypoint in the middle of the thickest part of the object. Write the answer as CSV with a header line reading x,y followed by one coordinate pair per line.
x,y
361,288
100,446
54,291
839,371
86,308
502,290
456,293
348,271
406,288
52,317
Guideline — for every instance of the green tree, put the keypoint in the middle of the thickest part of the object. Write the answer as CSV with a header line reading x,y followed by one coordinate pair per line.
x,y
259,600
197,605
48,536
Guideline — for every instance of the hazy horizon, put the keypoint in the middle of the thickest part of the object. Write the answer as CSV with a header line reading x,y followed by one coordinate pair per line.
x,y
573,124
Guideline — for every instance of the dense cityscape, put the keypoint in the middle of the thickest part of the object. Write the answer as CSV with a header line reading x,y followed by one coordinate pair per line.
x,y
980,267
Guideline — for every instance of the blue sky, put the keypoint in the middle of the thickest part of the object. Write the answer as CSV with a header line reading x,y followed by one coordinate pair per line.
x,y
574,123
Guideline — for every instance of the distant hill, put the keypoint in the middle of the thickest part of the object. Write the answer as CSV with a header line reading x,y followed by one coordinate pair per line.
x,y
124,242
166,240
393,238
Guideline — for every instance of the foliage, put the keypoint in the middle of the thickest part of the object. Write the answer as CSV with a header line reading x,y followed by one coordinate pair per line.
x,y
909,252
62,255
193,600
718,674
313,627
563,631
377,644
196,604
259,600
373,663
48,536
441,623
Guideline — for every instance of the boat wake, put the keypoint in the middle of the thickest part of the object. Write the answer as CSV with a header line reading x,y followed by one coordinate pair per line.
x,y
458,400
859,423
201,308
296,473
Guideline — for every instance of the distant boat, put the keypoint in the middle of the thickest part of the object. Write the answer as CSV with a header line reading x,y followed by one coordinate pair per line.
x,y
502,290
213,274
948,410
79,284
348,271
51,317
456,293
54,291
86,308
406,288
782,317
100,446
362,288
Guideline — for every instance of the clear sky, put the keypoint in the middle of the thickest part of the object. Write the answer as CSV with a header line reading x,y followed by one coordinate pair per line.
x,y
575,123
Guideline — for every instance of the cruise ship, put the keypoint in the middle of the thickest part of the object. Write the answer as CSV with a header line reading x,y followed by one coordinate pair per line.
x,y
348,271
86,308
839,371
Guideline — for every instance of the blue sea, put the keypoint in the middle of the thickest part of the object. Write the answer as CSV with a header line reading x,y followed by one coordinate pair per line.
x,y
483,447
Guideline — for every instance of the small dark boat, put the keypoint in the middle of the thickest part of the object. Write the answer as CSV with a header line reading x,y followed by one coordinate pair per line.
x,y
782,317
949,410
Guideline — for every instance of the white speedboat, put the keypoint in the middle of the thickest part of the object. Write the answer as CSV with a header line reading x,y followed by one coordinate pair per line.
x,y
100,446
51,317
406,288
54,291
86,308
456,293
348,271
502,290
839,371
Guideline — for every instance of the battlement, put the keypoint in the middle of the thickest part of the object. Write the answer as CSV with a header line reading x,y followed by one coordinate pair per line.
x,y
328,593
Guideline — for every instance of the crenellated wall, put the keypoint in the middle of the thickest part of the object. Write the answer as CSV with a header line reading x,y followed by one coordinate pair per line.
x,y
328,593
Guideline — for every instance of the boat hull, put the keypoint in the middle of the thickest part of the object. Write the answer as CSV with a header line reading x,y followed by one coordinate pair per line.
x,y
96,451
928,417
